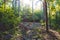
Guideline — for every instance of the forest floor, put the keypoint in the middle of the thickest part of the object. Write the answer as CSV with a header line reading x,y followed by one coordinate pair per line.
x,y
51,35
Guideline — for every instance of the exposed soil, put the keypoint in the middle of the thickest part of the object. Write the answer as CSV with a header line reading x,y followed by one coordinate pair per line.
x,y
51,35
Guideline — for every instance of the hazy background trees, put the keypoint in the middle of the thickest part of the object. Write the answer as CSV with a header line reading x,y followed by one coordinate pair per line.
x,y
13,12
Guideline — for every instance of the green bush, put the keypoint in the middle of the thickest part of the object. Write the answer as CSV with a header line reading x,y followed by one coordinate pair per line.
x,y
8,21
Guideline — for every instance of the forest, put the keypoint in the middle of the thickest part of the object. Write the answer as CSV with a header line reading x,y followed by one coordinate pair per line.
x,y
29,19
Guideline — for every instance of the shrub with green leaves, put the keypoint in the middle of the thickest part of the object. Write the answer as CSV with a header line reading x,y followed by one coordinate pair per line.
x,y
8,21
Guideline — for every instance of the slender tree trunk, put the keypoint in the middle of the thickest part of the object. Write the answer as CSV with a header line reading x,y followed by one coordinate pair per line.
x,y
4,4
49,16
32,10
46,14
56,17
14,4
19,7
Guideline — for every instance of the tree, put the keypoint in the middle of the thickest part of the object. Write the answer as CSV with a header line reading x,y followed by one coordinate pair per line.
x,y
33,10
8,21
46,14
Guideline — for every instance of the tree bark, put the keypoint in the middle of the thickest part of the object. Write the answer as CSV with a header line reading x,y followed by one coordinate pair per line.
x,y
46,14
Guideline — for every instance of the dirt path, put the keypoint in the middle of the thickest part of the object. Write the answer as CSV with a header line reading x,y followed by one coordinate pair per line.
x,y
51,35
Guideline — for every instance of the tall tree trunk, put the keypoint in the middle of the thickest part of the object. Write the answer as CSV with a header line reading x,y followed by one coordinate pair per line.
x,y
49,16
4,4
46,14
33,10
19,7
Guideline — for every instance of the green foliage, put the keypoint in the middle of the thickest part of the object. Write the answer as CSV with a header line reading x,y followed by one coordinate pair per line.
x,y
8,21
36,16
54,16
